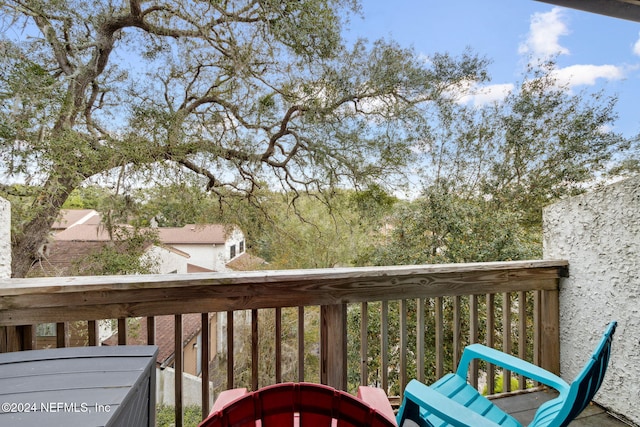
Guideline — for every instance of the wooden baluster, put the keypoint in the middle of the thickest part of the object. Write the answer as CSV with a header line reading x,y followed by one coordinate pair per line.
x,y
178,368
439,350
4,339
151,330
61,335
230,345
28,333
490,332
473,337
384,346
420,326
403,346
522,334
205,346
364,348
506,338
122,331
278,349
536,329
457,332
93,332
255,341
301,344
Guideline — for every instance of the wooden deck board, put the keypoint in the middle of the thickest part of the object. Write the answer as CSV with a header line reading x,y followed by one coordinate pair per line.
x,y
523,407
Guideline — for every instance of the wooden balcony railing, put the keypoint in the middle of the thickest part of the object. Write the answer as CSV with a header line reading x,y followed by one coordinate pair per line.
x,y
409,321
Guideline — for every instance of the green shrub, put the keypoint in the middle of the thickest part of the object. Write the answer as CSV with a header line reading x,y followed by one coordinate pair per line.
x,y
499,386
165,416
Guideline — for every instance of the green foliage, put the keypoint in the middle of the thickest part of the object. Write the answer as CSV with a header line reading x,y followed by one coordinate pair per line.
x,y
166,415
319,232
266,349
123,255
488,171
441,227
499,385
89,197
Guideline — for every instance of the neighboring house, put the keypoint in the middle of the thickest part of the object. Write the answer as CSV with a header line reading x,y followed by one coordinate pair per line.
x,y
210,246
189,249
165,338
193,248
62,256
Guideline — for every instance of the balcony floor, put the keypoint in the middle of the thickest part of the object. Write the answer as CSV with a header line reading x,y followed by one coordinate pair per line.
x,y
523,407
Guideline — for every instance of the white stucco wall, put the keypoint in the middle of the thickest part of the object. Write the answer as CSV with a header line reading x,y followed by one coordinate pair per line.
x,y
167,261
191,388
599,234
5,239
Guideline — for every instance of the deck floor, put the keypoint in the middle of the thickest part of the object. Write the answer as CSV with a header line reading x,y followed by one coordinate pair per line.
x,y
523,407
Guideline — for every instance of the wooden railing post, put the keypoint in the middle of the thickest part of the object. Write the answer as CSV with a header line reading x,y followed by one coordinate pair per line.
x,y
549,346
333,347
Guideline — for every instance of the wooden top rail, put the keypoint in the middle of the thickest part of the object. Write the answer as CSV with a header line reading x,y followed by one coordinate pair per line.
x,y
57,299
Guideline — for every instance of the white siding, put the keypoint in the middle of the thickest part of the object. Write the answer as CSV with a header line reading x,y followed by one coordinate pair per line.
x,y
202,255
234,239
213,257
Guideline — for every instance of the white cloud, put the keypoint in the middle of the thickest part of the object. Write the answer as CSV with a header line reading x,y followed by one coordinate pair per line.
x,y
483,95
636,47
467,92
544,32
587,75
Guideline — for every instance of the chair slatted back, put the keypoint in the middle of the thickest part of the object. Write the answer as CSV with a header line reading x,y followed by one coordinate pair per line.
x,y
587,383
302,404
561,411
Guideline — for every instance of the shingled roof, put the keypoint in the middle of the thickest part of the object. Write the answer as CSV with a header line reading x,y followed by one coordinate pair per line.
x,y
164,335
63,258
194,234
71,217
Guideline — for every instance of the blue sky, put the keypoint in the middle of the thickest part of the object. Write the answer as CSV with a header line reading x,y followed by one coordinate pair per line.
x,y
594,51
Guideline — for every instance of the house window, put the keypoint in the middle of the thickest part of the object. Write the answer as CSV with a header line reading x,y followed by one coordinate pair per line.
x,y
241,247
232,252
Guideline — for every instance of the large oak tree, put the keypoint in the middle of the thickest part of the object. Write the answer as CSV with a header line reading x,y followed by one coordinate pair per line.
x,y
241,93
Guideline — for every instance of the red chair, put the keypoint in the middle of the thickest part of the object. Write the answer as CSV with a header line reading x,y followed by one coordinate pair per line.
x,y
300,405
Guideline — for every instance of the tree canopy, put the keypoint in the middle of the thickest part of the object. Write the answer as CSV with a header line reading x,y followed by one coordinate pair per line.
x,y
240,93
489,170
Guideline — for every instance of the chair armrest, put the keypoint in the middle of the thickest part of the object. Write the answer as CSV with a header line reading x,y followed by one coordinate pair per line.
x,y
512,363
442,407
378,400
227,397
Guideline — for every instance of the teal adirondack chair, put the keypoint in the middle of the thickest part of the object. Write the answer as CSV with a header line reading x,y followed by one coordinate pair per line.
x,y
451,401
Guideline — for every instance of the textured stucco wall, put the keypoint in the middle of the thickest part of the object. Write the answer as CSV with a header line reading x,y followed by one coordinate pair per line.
x,y
599,234
5,239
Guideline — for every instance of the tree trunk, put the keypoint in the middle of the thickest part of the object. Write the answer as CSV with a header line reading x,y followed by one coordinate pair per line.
x,y
28,244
